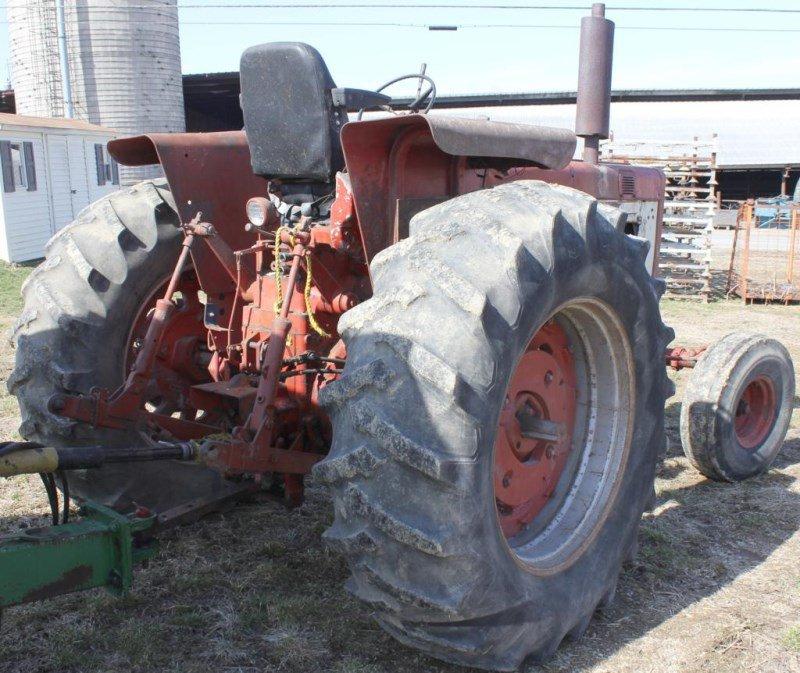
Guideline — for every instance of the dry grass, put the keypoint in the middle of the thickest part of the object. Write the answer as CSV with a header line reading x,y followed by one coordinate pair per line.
x,y
716,586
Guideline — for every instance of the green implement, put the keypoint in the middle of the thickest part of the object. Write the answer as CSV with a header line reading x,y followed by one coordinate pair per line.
x,y
99,550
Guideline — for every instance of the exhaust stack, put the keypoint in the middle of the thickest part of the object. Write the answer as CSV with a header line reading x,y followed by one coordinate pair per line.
x,y
594,81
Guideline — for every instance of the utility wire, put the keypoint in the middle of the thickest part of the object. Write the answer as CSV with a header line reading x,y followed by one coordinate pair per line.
x,y
387,24
459,26
395,5
85,15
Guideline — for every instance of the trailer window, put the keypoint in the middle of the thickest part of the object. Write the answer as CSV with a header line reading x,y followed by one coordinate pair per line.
x,y
19,166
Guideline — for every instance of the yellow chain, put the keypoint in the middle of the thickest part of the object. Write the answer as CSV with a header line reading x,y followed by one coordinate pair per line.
x,y
307,296
278,273
312,320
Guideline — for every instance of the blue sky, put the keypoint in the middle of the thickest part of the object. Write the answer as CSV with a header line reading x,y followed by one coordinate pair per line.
x,y
474,60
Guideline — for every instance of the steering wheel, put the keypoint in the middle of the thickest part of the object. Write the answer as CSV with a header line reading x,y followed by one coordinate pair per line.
x,y
429,94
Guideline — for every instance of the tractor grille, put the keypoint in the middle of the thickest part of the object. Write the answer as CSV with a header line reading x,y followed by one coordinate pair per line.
x,y
627,184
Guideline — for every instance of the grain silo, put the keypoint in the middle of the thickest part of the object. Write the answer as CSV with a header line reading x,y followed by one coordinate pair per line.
x,y
123,59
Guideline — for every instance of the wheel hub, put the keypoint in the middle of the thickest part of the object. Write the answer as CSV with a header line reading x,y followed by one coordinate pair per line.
x,y
535,429
755,413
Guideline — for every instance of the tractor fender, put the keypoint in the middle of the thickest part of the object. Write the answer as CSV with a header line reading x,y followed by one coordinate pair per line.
x,y
543,146
403,164
207,172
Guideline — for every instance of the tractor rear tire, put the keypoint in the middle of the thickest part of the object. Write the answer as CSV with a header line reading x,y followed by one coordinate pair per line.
x,y
430,358
737,407
72,335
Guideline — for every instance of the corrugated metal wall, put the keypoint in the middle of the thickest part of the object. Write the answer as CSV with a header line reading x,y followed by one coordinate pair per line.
x,y
124,60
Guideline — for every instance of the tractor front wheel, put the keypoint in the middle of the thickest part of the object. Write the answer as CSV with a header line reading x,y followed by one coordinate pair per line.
x,y
737,406
497,426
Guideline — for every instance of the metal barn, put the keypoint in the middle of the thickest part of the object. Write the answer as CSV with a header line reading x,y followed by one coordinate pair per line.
x,y
52,169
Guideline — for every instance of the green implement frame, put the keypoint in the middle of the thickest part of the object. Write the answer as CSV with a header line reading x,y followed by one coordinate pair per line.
x,y
99,550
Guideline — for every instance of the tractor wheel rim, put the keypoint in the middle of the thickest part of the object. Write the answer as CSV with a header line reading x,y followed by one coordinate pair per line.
x,y
755,413
526,467
563,434
164,398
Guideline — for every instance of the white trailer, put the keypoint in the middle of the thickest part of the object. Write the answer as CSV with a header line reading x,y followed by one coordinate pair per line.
x,y
51,169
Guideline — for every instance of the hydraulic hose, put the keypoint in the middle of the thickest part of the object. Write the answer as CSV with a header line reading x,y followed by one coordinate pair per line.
x,y
43,459
29,458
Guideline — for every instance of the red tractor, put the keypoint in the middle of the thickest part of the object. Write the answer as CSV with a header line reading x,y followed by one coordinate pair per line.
x,y
448,321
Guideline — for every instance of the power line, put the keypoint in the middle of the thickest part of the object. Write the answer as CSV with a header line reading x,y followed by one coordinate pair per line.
x,y
395,5
460,26
387,24
529,26
615,8
416,5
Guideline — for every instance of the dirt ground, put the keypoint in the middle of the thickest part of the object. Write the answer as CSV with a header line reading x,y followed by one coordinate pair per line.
x,y
716,586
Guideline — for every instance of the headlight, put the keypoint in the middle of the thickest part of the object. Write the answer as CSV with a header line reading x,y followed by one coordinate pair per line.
x,y
258,211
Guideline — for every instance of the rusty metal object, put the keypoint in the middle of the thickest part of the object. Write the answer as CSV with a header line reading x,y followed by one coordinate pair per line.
x,y
191,511
683,357
257,343
539,145
124,407
593,111
223,252
394,161
208,173
143,366
604,182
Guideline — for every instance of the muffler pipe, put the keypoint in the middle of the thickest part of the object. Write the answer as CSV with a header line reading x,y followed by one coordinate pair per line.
x,y
593,110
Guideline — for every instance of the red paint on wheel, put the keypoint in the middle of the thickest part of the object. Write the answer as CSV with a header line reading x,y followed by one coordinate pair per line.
x,y
755,413
176,366
542,394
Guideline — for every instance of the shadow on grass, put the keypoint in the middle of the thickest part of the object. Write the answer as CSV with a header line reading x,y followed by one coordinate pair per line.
x,y
700,537
262,587
256,589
